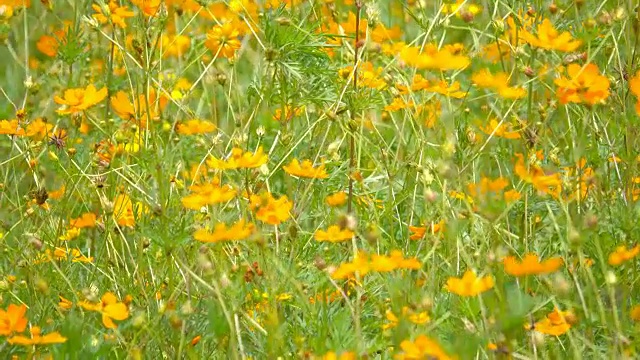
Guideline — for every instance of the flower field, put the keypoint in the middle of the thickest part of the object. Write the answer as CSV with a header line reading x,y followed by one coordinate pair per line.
x,y
319,179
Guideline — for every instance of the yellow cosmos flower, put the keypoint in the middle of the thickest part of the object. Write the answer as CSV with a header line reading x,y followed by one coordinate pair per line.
x,y
193,127
469,284
549,38
238,160
306,169
238,231
37,338
110,308
79,99
334,234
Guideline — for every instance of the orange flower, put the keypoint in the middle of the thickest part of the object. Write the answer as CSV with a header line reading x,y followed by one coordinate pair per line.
x,y
363,264
38,129
193,127
13,319
223,40
635,313
64,304
110,308
422,348
142,109
123,210
116,14
469,284
498,82
368,76
84,221
305,170
584,85
238,231
550,39
634,86
175,45
334,234
531,265
37,338
548,184
336,199
420,231
622,254
289,112
270,210
79,99
148,7
555,323
11,127
239,159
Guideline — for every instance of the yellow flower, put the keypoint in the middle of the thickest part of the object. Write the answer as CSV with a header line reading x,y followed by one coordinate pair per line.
x,y
238,231
39,129
238,160
86,220
175,45
334,234
116,14
79,99
270,210
622,254
148,7
469,284
64,304
11,127
223,40
70,234
110,308
363,264
422,348
531,265
433,59
498,82
123,212
193,127
550,39
208,194
37,338
555,323
305,170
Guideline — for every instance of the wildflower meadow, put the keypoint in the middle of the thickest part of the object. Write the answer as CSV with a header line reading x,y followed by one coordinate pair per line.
x,y
319,179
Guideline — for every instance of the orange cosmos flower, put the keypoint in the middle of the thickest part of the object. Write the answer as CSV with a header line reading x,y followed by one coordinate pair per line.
x,y
363,264
37,338
116,14
64,304
498,82
346,355
635,313
531,265
38,129
500,130
193,127
422,348
368,76
336,199
269,209
418,232
110,308
11,127
549,38
469,284
13,319
622,254
634,86
138,110
334,234
86,220
239,159
238,231
548,184
305,170
584,85
555,323
223,40
148,7
417,318
79,99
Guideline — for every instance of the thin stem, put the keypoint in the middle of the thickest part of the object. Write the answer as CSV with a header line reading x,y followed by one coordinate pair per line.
x,y
352,144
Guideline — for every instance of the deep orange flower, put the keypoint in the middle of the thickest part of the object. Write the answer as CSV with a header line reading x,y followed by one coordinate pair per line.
x,y
336,199
583,85
418,232
531,265
84,221
548,184
622,254
110,308
13,319
555,323
469,284
634,86
79,99
148,7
